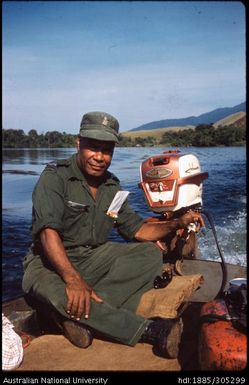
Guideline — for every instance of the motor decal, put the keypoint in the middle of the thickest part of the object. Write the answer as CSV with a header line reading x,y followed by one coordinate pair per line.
x,y
158,172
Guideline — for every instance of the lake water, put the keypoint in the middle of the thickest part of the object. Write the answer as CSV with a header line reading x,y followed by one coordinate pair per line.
x,y
224,196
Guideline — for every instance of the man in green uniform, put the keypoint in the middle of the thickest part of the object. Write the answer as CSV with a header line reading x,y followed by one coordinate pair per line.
x,y
95,284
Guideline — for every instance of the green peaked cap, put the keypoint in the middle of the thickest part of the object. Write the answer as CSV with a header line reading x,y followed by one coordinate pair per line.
x,y
100,126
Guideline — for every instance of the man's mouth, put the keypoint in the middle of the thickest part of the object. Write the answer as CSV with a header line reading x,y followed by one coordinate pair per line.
x,y
96,167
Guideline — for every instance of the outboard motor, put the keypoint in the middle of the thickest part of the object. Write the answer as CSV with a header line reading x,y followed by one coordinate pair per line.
x,y
172,185
172,181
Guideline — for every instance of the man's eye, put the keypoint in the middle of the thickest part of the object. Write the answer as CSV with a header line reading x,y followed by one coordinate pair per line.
x,y
107,151
103,150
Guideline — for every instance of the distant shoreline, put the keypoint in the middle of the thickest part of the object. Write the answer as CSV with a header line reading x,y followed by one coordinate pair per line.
x,y
135,146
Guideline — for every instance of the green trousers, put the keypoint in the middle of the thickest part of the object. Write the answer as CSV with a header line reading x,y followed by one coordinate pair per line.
x,y
118,272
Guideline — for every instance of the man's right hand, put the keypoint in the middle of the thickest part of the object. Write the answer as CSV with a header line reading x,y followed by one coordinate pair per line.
x,y
191,217
79,296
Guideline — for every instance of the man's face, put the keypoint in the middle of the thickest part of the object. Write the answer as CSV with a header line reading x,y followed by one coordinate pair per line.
x,y
94,156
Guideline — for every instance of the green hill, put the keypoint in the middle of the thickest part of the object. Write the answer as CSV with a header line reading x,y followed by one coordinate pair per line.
x,y
225,132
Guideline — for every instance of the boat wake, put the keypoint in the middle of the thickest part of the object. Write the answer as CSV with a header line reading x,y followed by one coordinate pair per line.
x,y
232,239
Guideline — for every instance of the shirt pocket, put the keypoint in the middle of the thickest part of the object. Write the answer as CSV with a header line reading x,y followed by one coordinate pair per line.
x,y
75,213
103,227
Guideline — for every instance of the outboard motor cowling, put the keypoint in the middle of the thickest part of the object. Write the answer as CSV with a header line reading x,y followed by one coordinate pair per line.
x,y
172,181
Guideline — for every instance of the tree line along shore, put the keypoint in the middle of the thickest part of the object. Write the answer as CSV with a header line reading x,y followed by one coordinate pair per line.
x,y
203,135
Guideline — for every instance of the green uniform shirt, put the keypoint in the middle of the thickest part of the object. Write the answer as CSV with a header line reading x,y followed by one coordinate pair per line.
x,y
62,201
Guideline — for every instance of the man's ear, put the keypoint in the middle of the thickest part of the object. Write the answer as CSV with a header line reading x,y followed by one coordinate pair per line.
x,y
78,143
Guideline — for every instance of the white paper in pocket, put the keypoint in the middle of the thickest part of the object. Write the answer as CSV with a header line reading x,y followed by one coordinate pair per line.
x,y
117,202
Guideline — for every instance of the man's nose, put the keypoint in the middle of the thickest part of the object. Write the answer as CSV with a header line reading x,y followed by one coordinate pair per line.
x,y
98,154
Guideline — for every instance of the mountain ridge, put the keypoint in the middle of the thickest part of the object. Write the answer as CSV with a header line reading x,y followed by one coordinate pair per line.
x,y
205,118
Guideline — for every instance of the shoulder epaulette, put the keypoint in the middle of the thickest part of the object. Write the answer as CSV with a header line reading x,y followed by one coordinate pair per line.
x,y
58,163
63,162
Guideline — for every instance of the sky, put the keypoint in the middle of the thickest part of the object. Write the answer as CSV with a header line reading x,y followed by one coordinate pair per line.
x,y
139,61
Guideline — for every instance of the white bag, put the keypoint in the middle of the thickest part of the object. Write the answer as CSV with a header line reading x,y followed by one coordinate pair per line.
x,y
12,349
